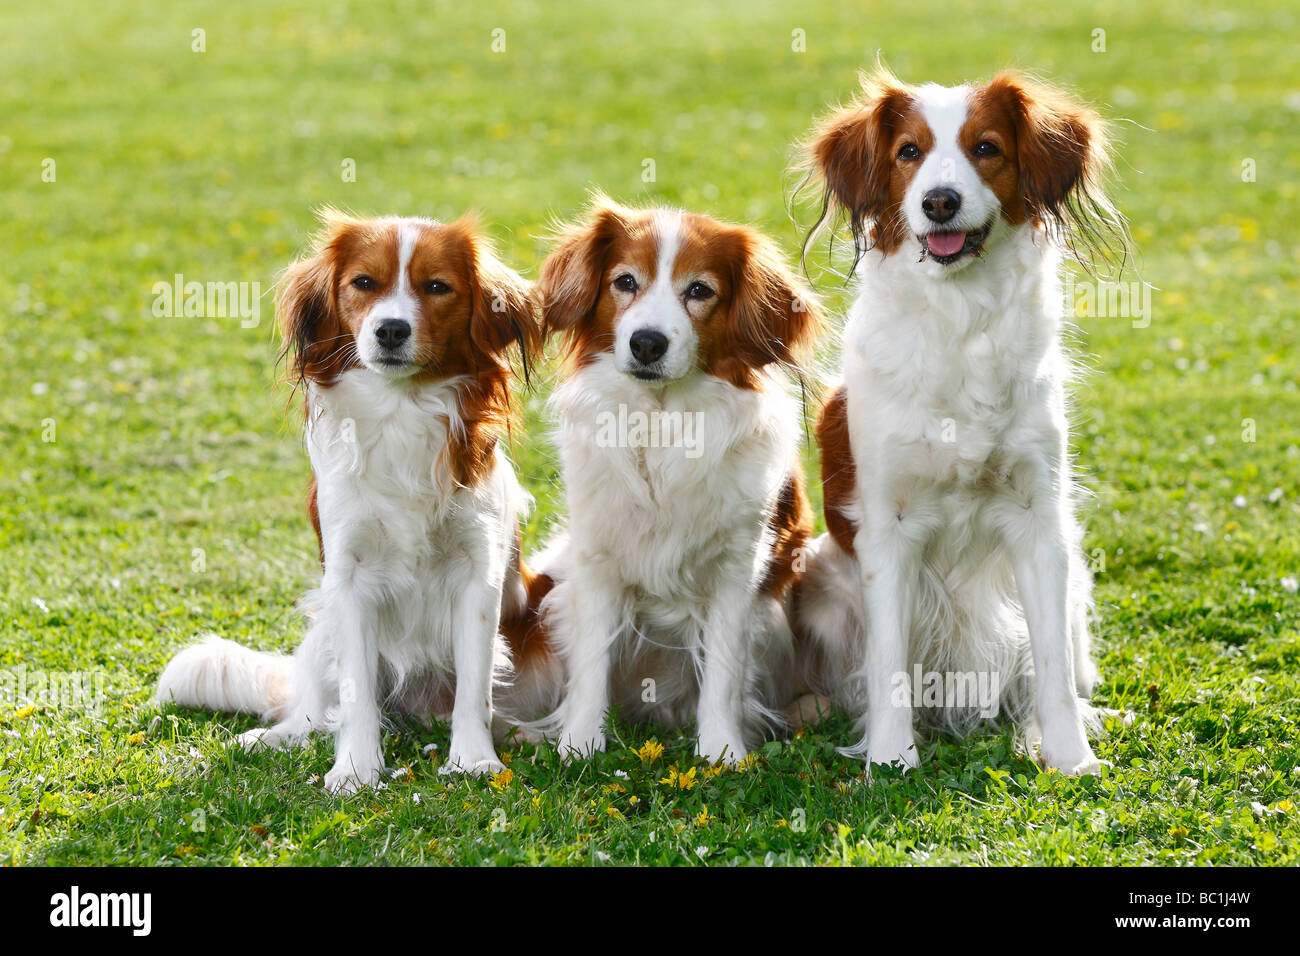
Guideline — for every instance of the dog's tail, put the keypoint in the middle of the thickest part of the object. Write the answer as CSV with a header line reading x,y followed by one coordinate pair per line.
x,y
217,674
534,683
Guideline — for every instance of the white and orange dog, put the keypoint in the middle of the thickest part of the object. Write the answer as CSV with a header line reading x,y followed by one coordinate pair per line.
x,y
678,436
399,329
953,545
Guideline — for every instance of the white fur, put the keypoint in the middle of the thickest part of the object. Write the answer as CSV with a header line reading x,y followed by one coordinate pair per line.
x,y
659,306
223,675
947,165
408,607
399,303
969,549
657,578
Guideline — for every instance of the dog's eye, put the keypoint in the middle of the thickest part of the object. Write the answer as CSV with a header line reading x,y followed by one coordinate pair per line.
x,y
699,291
434,287
625,283
364,283
985,149
909,152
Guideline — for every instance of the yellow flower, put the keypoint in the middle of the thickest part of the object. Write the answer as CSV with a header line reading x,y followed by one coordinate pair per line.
x,y
502,780
703,819
678,780
24,713
1179,832
136,738
714,771
614,788
749,762
1284,806
650,751
633,800
614,812
507,756
186,849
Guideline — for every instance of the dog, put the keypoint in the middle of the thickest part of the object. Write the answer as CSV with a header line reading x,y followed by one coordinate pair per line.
x,y
399,332
953,546
678,435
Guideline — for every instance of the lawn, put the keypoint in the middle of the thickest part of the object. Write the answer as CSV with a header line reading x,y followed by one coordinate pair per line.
x,y
151,480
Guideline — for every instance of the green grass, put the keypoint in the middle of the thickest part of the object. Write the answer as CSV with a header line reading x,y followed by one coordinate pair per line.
x,y
170,501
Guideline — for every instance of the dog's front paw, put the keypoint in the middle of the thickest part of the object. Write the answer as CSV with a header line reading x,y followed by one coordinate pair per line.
x,y
259,739
347,777
1072,756
472,764
721,748
579,745
1074,765
900,752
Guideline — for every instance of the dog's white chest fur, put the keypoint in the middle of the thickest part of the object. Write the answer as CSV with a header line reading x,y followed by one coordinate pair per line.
x,y
955,381
665,520
666,546
385,446
395,525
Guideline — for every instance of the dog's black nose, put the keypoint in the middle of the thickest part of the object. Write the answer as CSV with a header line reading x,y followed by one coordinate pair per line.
x,y
648,346
941,204
392,332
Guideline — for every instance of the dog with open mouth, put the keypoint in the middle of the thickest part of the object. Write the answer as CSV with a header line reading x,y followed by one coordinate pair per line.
x,y
949,498
664,596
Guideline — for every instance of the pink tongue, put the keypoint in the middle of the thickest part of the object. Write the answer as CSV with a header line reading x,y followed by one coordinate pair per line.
x,y
945,243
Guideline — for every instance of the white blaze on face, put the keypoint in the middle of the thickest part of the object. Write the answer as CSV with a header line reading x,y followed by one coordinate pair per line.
x,y
947,165
401,303
658,305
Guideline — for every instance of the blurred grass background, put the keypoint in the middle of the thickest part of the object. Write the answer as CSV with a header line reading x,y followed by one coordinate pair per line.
x,y
172,436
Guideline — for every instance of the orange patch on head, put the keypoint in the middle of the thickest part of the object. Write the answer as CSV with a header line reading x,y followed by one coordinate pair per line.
x,y
1047,168
855,151
746,307
992,119
469,309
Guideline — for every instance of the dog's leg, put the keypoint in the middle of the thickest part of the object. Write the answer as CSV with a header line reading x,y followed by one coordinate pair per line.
x,y
723,684
358,760
476,614
1085,671
591,619
889,545
304,711
1038,539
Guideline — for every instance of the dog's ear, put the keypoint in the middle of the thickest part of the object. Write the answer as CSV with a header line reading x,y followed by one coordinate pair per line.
x,y
773,316
312,336
850,152
1062,155
504,306
1060,143
573,273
